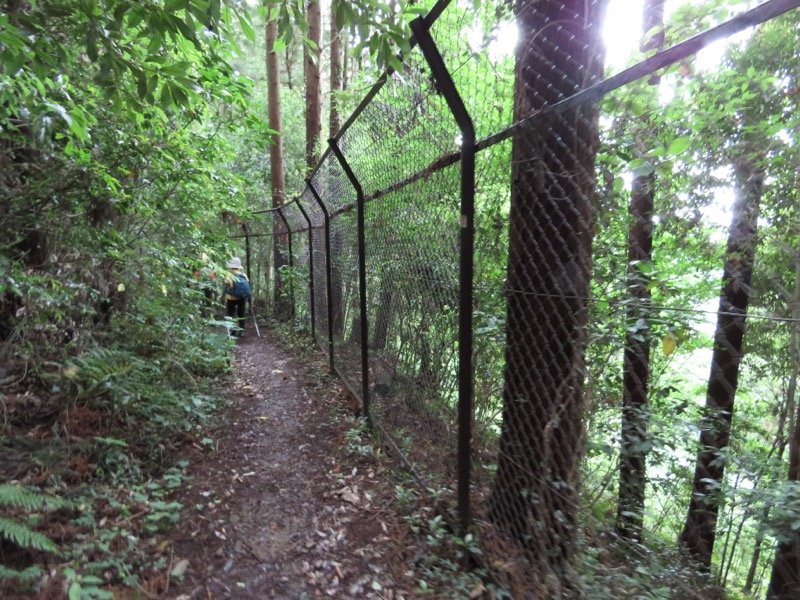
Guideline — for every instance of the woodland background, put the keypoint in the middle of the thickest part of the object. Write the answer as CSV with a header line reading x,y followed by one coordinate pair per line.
x,y
141,143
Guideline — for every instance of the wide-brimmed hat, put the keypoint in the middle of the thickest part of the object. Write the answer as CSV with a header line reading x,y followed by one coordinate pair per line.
x,y
234,263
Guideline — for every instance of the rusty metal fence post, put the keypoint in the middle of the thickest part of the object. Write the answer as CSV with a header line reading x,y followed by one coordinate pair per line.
x,y
362,275
328,283
466,256
291,260
310,270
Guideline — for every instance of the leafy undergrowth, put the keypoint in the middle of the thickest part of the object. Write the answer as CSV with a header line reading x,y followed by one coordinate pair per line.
x,y
90,496
429,558
422,552
88,478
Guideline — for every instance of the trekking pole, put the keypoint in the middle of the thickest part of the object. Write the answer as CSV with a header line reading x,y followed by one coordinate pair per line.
x,y
253,312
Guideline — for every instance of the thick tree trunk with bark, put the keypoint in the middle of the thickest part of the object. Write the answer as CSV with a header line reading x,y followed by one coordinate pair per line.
x,y
636,362
311,58
699,532
535,495
277,174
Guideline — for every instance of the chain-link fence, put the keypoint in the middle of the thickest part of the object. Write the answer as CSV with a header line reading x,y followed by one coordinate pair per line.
x,y
525,266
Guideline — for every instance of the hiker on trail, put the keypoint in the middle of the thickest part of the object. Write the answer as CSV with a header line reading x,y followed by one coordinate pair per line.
x,y
236,292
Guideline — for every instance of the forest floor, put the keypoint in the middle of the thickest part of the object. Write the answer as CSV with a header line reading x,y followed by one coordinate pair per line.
x,y
296,510
285,495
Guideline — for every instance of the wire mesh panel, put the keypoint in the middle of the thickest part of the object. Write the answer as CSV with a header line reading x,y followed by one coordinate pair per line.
x,y
339,196
413,317
297,273
412,252
318,264
261,262
635,280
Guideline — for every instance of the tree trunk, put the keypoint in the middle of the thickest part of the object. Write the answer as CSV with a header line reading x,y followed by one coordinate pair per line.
x,y
785,580
778,448
336,73
535,498
277,176
313,88
636,359
636,362
784,583
699,532
345,60
652,17
383,316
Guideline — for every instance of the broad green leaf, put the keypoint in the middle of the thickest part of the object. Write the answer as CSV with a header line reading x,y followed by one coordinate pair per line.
x,y
75,591
78,124
679,146
247,28
280,44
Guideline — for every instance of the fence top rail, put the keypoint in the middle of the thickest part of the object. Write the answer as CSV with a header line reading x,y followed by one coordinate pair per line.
x,y
755,16
275,209
433,14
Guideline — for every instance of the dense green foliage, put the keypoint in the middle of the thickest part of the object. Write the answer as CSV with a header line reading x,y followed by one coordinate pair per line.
x,y
116,122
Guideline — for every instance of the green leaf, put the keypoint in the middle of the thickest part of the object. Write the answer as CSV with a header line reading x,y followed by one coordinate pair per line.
x,y
395,63
24,537
75,591
247,28
187,30
111,441
643,169
280,44
78,125
679,146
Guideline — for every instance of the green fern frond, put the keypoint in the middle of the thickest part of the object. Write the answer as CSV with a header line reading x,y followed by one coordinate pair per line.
x,y
26,538
93,371
101,364
28,575
18,496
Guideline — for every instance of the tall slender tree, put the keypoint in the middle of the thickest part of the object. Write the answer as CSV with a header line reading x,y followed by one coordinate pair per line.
x,y
535,493
699,532
636,361
277,169
336,72
636,358
785,579
311,70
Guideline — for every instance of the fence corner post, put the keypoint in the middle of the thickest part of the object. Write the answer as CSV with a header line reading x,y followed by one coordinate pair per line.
x,y
291,261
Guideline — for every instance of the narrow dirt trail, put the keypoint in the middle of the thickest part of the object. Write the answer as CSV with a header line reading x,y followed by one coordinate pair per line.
x,y
275,512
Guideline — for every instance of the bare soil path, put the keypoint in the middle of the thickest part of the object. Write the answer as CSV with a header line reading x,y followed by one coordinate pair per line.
x,y
281,509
